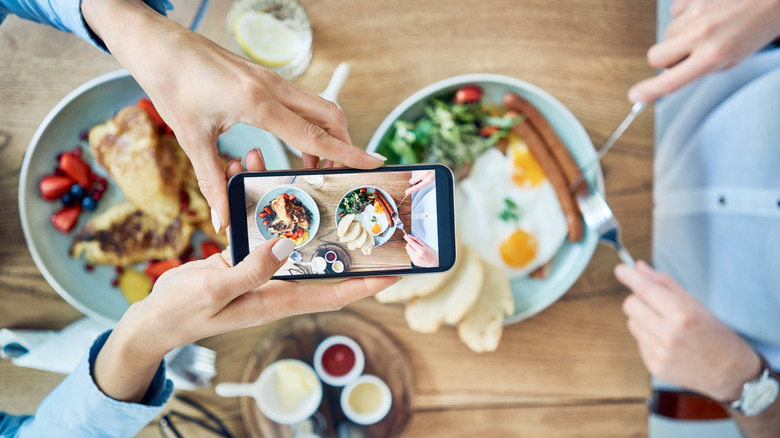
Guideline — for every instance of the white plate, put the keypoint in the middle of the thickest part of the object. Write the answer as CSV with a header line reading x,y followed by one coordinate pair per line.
x,y
531,295
300,195
95,102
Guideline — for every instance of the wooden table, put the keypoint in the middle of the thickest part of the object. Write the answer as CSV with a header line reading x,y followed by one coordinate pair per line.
x,y
573,370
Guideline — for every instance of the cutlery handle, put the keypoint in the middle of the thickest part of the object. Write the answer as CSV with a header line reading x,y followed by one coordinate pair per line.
x,y
625,256
340,75
234,389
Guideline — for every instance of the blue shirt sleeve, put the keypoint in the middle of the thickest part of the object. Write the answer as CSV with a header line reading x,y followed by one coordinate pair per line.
x,y
77,408
64,15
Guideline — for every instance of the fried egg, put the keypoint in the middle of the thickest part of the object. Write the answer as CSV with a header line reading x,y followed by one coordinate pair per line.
x,y
373,219
508,211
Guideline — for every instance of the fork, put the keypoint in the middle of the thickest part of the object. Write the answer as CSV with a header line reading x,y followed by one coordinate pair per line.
x,y
396,221
195,365
599,218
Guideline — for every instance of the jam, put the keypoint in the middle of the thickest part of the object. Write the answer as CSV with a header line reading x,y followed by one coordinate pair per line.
x,y
338,360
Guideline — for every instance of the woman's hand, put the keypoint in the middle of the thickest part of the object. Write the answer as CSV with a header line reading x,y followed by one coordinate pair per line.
x,y
707,36
420,179
201,89
680,340
421,254
208,297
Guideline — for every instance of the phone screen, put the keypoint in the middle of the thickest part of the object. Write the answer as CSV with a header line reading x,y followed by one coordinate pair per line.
x,y
347,222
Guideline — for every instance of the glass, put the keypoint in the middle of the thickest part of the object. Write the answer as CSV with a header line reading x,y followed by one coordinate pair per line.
x,y
210,423
273,33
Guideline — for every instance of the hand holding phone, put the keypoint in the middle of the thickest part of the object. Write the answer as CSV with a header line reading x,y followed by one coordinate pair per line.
x,y
347,222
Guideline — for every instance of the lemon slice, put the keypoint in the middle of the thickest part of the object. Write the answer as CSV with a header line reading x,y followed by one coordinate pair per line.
x,y
266,39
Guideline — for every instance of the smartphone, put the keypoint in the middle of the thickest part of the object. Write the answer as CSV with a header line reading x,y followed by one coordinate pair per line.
x,y
348,222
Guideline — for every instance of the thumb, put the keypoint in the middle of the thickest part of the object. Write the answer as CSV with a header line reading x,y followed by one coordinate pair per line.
x,y
210,171
257,268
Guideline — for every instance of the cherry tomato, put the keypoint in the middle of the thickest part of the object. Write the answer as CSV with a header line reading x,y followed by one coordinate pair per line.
x,y
363,190
468,94
489,130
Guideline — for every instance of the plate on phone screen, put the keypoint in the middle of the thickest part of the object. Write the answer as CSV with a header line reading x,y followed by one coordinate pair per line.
x,y
90,104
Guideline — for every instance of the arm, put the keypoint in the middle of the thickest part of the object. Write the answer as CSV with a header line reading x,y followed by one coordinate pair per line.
x,y
201,89
707,36
682,342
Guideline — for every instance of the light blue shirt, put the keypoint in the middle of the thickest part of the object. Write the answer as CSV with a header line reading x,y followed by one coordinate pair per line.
x,y
77,408
716,218
64,15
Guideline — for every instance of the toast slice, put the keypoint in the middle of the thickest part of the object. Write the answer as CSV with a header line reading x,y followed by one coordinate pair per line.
x,y
344,224
366,248
359,242
451,302
353,232
483,325
414,286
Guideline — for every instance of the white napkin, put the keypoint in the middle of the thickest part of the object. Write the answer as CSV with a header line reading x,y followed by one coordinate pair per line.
x,y
60,351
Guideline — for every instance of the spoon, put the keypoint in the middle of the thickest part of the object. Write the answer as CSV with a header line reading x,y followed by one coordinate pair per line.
x,y
331,92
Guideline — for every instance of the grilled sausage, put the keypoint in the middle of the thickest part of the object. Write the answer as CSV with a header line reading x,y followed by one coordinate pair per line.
x,y
539,123
554,173
385,205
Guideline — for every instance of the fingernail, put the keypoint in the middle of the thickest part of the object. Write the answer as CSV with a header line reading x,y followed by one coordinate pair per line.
x,y
282,249
379,157
620,270
634,95
215,220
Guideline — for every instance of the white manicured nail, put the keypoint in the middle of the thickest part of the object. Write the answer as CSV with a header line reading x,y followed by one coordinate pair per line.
x,y
378,156
215,221
282,249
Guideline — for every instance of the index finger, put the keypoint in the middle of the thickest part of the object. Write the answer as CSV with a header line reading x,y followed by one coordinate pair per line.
x,y
313,140
661,299
672,79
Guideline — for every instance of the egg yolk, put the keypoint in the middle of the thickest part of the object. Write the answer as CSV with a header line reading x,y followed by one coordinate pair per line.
x,y
378,208
376,228
519,249
526,171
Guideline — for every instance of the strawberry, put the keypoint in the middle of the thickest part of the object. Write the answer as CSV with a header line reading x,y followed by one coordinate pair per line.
x,y
147,105
76,169
209,248
468,94
54,186
157,268
65,219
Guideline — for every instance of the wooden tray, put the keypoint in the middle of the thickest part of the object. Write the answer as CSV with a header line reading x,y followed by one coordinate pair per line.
x,y
299,336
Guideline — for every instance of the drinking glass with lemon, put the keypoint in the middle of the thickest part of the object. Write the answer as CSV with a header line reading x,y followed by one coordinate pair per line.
x,y
273,33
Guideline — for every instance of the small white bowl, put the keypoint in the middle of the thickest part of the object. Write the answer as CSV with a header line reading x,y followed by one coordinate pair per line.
x,y
263,390
376,415
354,373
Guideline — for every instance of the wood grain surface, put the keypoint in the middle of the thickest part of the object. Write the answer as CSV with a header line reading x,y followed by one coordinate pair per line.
x,y
571,371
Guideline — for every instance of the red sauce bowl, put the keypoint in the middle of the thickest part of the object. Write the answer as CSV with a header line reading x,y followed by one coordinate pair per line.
x,y
339,360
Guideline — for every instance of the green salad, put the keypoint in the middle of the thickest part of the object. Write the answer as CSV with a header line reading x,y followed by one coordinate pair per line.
x,y
453,131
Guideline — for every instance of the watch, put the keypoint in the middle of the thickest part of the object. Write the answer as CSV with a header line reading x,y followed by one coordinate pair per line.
x,y
758,394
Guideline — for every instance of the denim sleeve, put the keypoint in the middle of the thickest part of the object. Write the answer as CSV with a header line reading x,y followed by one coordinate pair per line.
x,y
77,408
64,15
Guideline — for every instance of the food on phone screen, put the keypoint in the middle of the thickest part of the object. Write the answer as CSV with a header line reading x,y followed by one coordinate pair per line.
x,y
286,216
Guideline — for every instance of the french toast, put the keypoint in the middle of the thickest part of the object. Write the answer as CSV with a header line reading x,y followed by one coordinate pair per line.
x,y
124,235
146,168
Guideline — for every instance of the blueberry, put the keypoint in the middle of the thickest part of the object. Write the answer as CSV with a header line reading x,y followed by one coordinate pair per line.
x,y
88,203
67,200
77,191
